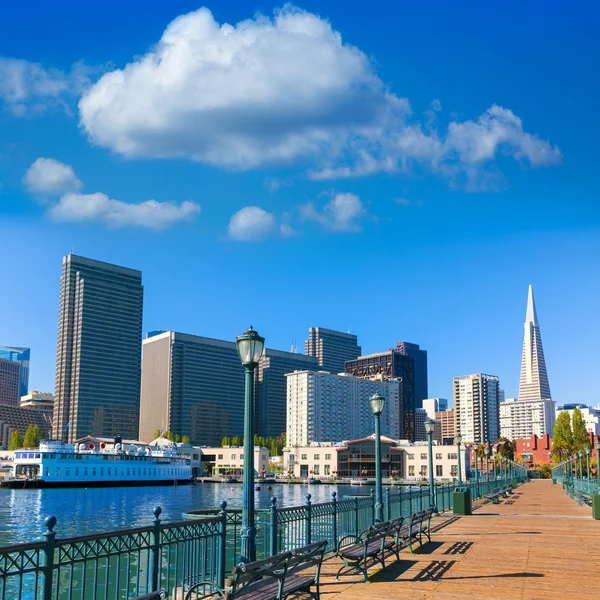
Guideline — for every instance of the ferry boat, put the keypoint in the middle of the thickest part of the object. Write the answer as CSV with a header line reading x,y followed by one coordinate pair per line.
x,y
55,464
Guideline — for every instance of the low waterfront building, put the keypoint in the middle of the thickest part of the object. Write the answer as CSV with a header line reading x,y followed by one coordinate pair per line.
x,y
323,407
355,459
228,461
521,419
535,450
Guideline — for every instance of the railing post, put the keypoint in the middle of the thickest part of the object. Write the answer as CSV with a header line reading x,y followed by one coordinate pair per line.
x,y
273,548
155,551
373,507
388,509
356,531
308,519
48,564
334,534
223,549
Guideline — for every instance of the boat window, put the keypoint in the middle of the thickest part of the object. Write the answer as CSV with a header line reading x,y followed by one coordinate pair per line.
x,y
76,471
37,455
94,472
47,472
68,472
57,471
85,472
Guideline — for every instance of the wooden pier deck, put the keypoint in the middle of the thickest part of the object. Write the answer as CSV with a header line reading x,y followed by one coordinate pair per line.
x,y
536,544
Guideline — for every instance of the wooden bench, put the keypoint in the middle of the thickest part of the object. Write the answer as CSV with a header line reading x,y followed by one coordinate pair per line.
x,y
419,525
372,543
272,578
493,497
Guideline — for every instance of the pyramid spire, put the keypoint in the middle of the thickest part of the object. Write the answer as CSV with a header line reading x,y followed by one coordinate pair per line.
x,y
534,383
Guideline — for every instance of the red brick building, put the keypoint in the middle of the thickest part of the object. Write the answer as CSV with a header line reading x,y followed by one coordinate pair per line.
x,y
535,450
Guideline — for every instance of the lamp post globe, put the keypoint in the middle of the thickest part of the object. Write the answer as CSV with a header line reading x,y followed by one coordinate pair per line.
x,y
377,402
429,429
458,442
250,347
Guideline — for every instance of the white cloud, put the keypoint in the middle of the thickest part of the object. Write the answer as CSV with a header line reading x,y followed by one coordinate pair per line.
x,y
54,178
342,213
263,91
49,176
436,105
253,223
28,88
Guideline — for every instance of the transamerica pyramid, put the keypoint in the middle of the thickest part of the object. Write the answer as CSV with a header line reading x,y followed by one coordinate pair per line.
x,y
534,378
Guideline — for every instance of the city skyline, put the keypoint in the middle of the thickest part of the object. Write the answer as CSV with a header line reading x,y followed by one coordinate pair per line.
x,y
440,174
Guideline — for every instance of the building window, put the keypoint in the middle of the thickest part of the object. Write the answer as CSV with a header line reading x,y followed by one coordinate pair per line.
x,y
423,470
438,456
317,456
303,457
219,457
454,470
439,470
411,470
241,457
328,457
292,457
411,457
423,456
452,456
326,470
233,456
316,470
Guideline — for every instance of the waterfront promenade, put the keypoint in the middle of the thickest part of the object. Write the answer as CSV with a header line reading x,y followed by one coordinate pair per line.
x,y
536,544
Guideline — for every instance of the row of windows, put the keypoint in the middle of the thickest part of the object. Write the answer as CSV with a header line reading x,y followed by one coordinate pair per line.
x,y
315,457
129,472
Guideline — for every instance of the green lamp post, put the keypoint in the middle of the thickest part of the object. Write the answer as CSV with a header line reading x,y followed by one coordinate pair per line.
x,y
588,451
377,404
597,446
458,442
429,427
250,348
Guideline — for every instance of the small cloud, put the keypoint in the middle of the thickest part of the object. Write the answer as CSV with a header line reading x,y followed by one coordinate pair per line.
x,y
49,176
253,223
340,214
402,201
115,213
436,105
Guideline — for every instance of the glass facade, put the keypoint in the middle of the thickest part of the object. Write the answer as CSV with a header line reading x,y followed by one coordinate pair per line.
x,y
21,356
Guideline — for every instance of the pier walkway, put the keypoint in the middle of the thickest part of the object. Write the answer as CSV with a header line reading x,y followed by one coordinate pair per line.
x,y
536,544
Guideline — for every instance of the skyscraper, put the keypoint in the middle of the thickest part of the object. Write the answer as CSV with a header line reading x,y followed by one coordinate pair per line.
x,y
331,348
534,378
391,365
22,357
476,408
9,382
420,359
98,359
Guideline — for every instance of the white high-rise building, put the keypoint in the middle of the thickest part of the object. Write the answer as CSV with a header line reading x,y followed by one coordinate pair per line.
x,y
476,411
322,407
519,419
534,378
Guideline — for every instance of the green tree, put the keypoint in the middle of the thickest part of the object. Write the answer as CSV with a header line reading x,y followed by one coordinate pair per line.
x,y
236,441
157,434
274,448
562,441
168,435
225,441
29,439
177,438
581,439
15,441
545,470
186,439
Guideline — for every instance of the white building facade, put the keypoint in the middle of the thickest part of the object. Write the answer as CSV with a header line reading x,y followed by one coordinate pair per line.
x,y
322,407
591,416
519,419
476,408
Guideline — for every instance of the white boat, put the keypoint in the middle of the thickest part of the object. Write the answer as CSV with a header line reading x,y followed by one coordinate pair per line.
x,y
55,464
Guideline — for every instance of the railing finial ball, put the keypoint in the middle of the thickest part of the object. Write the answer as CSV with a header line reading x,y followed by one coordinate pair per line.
x,y
156,512
50,522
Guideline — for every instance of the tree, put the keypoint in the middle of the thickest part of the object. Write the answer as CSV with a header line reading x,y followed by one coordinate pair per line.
x,y
29,439
186,439
177,438
562,442
274,448
157,434
236,441
545,470
15,441
225,441
169,436
37,435
581,439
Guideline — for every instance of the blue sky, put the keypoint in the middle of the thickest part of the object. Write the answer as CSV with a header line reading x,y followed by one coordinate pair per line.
x,y
399,170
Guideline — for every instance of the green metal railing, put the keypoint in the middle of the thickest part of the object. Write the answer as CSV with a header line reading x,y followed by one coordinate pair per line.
x,y
171,556
575,476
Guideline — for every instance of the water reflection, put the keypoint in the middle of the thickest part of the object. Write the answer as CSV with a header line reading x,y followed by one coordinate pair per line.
x,y
83,511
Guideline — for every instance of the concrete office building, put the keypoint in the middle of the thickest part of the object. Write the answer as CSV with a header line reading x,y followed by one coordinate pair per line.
x,y
324,407
271,388
38,401
420,367
391,365
331,348
21,356
520,419
534,378
98,362
9,382
434,405
476,408
15,417
191,385
446,420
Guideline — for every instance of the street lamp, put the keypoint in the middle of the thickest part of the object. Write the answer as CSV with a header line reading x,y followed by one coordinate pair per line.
x,y
458,441
580,454
494,452
597,446
487,462
377,403
429,427
250,347
588,451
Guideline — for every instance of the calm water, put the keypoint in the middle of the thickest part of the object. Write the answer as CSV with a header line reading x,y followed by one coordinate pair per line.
x,y
83,511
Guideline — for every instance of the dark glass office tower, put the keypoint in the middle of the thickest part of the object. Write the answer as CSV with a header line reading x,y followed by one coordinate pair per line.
x,y
98,359
20,356
420,358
